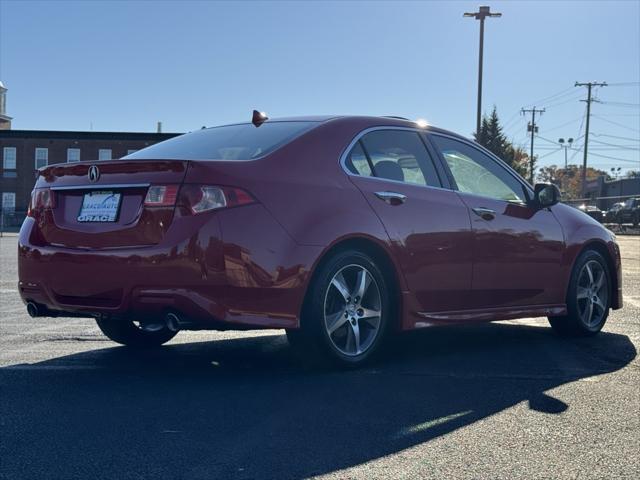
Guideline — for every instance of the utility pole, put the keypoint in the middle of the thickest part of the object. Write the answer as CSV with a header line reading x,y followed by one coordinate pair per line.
x,y
533,128
481,14
566,147
589,86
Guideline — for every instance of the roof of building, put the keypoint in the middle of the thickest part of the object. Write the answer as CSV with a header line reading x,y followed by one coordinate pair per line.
x,y
84,135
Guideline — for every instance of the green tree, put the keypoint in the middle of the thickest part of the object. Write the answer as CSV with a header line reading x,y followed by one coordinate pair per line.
x,y
493,139
569,179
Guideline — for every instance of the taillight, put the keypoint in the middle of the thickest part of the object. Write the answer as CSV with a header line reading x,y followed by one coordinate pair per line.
x,y
41,199
161,195
203,198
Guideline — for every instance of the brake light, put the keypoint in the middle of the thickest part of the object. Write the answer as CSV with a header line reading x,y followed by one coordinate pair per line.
x,y
41,199
203,198
161,196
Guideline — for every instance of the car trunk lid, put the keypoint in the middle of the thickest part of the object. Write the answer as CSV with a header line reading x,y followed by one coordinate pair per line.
x,y
102,204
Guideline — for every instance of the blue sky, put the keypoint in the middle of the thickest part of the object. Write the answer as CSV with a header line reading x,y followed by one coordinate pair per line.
x,y
124,65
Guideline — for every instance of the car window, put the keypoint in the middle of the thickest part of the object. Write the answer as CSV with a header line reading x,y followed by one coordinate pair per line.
x,y
357,161
230,142
398,155
477,173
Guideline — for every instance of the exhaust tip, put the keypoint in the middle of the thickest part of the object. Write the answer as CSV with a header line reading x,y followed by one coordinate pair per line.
x,y
172,321
33,310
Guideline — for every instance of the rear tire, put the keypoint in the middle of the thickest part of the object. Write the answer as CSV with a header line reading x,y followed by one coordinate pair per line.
x,y
348,310
588,297
126,332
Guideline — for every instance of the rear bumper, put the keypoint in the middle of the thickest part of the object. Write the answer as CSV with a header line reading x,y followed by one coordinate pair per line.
x,y
253,278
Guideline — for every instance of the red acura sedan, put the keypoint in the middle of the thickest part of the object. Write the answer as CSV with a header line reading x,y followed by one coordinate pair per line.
x,y
340,230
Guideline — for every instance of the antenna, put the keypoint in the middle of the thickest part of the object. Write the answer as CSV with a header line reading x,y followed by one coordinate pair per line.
x,y
258,118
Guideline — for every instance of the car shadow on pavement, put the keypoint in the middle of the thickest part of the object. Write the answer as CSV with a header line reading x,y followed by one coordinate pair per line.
x,y
248,408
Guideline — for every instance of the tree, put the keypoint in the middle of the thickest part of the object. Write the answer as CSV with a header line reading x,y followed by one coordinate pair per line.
x,y
633,174
569,180
493,139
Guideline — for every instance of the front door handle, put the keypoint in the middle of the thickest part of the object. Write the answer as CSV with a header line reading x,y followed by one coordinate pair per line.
x,y
484,213
392,198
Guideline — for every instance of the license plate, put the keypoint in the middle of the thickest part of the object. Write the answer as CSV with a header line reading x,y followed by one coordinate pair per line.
x,y
99,207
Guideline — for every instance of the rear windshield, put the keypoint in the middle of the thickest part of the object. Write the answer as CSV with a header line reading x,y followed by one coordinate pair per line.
x,y
231,142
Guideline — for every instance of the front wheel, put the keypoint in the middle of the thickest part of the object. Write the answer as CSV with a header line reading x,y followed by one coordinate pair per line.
x,y
348,309
135,334
588,297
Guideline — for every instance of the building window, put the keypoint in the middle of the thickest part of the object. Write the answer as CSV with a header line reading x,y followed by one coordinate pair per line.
x,y
9,158
42,157
104,154
8,202
132,150
73,155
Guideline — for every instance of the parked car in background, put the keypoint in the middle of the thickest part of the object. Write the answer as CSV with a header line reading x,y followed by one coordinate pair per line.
x,y
339,230
611,215
630,211
593,211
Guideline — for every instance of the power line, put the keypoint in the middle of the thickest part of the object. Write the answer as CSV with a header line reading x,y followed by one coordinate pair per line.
x,y
512,122
563,125
547,140
623,84
630,147
616,158
619,138
572,99
550,97
619,114
619,104
550,153
617,124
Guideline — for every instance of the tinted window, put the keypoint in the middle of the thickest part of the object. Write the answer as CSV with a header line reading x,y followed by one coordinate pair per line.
x,y
477,173
399,155
231,142
357,161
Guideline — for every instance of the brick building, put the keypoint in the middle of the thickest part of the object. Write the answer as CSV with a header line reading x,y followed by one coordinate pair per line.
x,y
22,152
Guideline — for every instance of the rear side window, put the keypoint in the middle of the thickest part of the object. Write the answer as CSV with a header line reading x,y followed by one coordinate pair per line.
x,y
357,162
231,142
397,155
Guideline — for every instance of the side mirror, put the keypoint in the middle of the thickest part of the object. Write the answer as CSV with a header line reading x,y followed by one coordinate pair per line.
x,y
545,195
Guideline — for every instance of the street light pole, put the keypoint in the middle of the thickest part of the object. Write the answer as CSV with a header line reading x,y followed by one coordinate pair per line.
x,y
481,14
566,147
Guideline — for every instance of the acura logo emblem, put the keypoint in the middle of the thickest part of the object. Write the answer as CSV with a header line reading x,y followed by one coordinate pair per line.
x,y
93,174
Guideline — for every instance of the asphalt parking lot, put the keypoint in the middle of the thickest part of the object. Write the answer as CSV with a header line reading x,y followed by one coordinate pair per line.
x,y
503,400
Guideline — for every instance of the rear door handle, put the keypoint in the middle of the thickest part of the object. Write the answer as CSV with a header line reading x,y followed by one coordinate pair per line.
x,y
484,213
392,198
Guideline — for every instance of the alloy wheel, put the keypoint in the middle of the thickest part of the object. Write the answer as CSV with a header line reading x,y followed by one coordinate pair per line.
x,y
592,293
352,310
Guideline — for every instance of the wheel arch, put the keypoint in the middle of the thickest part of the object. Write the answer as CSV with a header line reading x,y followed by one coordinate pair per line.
x,y
375,249
602,249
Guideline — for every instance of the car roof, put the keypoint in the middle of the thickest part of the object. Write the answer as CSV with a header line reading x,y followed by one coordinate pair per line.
x,y
366,121
393,121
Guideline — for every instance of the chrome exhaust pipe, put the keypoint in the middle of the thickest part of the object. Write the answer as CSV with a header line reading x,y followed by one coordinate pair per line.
x,y
33,310
172,321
